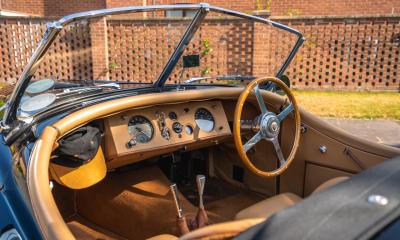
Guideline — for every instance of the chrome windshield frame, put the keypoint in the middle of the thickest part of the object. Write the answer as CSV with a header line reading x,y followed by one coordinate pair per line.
x,y
53,28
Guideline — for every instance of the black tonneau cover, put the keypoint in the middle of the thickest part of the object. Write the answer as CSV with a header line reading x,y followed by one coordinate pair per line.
x,y
340,212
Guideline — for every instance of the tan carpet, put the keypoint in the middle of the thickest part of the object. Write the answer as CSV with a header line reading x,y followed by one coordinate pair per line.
x,y
137,204
85,230
226,209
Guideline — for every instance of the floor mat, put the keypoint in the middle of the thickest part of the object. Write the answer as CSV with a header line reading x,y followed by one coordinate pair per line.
x,y
222,200
136,204
214,190
225,209
85,230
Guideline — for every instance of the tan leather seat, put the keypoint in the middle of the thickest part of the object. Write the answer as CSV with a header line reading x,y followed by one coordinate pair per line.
x,y
220,231
272,205
163,237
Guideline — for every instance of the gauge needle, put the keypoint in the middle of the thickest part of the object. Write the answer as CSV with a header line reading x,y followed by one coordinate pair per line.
x,y
141,131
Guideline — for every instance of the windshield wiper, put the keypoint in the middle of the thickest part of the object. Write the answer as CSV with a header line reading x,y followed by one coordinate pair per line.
x,y
97,83
78,90
222,78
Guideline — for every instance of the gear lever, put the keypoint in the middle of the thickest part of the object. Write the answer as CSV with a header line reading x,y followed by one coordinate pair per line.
x,y
181,220
202,218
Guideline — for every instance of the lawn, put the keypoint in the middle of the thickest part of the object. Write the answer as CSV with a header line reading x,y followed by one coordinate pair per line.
x,y
360,105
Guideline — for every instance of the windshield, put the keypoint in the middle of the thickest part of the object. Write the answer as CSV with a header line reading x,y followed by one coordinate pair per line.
x,y
89,55
233,50
95,52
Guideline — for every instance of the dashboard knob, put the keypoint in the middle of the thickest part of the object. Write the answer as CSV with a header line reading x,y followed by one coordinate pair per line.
x,y
131,143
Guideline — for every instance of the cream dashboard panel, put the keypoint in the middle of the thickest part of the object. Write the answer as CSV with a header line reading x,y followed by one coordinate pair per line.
x,y
117,134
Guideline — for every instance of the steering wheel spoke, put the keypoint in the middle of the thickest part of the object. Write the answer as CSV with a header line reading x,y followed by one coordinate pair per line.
x,y
260,99
253,141
285,112
278,151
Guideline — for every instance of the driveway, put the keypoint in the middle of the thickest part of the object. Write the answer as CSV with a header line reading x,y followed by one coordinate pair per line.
x,y
380,131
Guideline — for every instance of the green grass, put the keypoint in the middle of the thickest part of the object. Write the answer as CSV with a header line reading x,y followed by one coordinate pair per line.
x,y
360,105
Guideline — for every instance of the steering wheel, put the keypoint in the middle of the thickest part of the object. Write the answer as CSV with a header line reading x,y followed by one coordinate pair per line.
x,y
267,126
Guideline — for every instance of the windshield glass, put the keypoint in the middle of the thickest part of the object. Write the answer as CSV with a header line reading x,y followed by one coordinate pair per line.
x,y
88,55
102,54
233,50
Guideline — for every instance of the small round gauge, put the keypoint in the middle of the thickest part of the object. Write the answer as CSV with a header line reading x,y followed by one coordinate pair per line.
x,y
204,119
177,127
36,103
188,129
40,86
141,129
173,116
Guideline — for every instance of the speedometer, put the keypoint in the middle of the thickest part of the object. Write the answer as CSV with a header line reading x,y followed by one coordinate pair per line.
x,y
141,129
204,120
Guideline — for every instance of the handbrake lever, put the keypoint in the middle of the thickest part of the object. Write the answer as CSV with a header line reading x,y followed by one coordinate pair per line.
x,y
181,220
202,218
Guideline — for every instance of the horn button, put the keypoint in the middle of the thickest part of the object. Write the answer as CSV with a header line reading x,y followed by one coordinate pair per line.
x,y
270,125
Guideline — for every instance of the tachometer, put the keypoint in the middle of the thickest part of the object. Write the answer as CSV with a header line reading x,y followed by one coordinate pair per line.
x,y
141,129
204,119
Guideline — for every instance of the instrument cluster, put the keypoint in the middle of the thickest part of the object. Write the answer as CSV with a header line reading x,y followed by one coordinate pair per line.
x,y
142,130
166,126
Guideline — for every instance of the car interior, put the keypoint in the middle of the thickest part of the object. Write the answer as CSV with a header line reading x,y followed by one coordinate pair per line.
x,y
166,165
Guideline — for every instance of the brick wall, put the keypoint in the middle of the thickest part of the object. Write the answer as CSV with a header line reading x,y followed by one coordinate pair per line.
x,y
123,3
51,8
19,38
278,7
334,8
347,54
57,8
34,7
240,5
339,54
64,7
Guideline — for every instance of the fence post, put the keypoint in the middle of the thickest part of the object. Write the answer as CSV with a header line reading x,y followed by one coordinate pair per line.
x,y
98,38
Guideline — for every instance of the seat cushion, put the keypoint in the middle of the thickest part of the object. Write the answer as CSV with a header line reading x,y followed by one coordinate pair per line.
x,y
163,237
272,205
269,206
330,183
220,231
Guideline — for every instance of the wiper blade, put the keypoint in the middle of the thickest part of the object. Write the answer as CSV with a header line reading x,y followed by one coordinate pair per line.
x,y
118,82
236,78
96,83
222,78
196,79
79,90
78,86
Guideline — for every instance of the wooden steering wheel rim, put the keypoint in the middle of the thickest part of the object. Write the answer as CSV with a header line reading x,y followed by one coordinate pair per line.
x,y
237,131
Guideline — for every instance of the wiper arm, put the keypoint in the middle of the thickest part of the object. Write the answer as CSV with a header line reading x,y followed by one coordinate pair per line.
x,y
117,82
111,84
77,86
236,78
222,78
78,91
196,79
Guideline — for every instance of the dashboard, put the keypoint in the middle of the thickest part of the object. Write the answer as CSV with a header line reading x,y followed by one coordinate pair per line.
x,y
142,133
